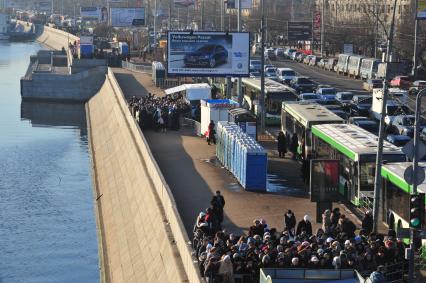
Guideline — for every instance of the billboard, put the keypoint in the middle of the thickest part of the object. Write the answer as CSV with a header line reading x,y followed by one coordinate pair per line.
x,y
184,3
245,4
213,54
127,17
324,181
90,13
299,31
421,9
43,6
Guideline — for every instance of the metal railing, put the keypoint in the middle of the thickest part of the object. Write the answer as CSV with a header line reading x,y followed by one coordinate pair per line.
x,y
195,125
365,202
137,67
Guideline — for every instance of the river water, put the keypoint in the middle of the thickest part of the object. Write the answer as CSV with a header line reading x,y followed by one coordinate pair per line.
x,y
47,223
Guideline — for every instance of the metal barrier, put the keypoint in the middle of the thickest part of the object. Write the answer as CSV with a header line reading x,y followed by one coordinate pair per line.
x,y
394,273
365,202
190,123
137,67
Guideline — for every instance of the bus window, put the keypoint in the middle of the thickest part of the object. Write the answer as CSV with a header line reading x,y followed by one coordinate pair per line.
x,y
366,176
308,136
274,106
397,200
289,124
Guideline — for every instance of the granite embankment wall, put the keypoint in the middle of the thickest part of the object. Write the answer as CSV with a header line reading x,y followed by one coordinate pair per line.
x,y
54,38
143,237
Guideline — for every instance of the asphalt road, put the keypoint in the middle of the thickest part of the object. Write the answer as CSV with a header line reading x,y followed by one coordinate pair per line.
x,y
340,82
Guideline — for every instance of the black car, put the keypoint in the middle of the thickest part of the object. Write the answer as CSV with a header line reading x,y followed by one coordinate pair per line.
x,y
303,84
360,105
209,55
369,125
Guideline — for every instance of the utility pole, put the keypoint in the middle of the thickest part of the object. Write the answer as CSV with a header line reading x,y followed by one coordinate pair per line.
x,y
261,106
155,24
239,87
202,15
376,27
170,14
416,28
222,15
379,156
322,26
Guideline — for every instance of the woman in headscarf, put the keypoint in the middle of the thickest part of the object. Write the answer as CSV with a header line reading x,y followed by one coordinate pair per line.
x,y
226,270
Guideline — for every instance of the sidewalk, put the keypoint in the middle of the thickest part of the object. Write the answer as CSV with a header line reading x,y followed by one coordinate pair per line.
x,y
190,168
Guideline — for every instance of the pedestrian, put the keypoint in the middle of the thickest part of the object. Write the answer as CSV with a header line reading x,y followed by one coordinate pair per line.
x,y
211,133
367,222
218,203
289,221
282,144
161,124
304,226
226,270
294,145
378,275
326,222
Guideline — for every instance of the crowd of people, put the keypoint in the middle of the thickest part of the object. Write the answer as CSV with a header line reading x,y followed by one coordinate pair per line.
x,y
159,113
335,245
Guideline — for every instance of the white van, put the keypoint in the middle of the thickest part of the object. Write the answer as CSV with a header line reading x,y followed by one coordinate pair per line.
x,y
342,64
369,68
354,66
395,105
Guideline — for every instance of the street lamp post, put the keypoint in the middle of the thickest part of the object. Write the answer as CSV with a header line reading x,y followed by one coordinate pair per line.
x,y
261,106
239,87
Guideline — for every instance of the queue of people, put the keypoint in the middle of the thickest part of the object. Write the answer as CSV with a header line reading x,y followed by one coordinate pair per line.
x,y
336,245
159,113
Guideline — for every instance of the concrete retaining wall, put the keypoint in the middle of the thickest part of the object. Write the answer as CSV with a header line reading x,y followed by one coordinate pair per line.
x,y
64,87
54,38
143,236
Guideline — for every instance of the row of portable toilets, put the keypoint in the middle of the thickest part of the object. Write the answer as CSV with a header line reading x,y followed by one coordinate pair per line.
x,y
241,155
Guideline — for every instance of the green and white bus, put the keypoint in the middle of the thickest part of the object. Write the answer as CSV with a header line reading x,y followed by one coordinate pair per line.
x,y
299,117
356,149
396,194
275,94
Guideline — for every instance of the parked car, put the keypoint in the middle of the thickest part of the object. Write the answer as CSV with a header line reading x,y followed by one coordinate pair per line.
x,y
255,64
209,55
295,55
289,52
309,97
331,63
367,124
370,84
285,75
322,86
329,102
398,140
314,61
301,57
401,82
327,93
416,86
303,84
341,113
360,105
322,63
402,125
279,52
307,59
271,73
270,54
254,73
344,97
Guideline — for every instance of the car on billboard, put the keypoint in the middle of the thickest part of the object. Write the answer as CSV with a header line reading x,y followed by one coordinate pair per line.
x,y
209,55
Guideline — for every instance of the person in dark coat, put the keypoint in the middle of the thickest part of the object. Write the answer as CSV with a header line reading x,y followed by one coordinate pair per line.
x,y
289,221
212,132
304,226
218,203
367,222
282,145
294,145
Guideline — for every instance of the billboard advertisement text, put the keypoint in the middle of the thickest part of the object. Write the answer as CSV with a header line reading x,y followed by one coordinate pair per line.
x,y
208,54
127,17
90,13
421,9
324,181
245,4
299,31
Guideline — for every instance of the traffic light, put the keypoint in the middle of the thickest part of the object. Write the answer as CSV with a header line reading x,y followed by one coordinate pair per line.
x,y
417,210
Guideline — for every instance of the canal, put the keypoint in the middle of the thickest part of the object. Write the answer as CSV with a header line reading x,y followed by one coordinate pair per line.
x,y
47,220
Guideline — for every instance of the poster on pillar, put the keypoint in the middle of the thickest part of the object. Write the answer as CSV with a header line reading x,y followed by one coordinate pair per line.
x,y
233,4
184,3
213,54
324,180
421,9
127,17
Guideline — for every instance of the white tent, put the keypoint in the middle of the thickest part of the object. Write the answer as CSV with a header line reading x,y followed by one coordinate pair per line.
x,y
192,91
